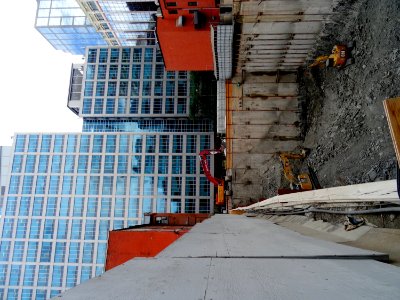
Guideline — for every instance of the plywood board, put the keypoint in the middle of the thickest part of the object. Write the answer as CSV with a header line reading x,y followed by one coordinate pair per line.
x,y
392,110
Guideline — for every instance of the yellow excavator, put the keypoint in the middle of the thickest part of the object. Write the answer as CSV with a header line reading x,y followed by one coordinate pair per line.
x,y
340,57
301,182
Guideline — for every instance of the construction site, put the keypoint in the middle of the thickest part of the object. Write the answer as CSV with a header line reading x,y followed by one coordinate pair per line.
x,y
306,176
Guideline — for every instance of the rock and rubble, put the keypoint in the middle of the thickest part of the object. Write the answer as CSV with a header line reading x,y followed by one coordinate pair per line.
x,y
344,122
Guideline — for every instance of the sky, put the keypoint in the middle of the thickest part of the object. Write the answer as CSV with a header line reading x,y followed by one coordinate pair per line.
x,y
35,77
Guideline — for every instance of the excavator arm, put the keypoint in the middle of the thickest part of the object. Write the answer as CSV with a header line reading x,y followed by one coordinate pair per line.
x,y
218,182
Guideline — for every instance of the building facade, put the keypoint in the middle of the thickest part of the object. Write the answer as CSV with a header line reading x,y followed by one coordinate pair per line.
x,y
66,191
73,25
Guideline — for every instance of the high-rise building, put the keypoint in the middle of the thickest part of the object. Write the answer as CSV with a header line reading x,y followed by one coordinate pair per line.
x,y
73,25
137,154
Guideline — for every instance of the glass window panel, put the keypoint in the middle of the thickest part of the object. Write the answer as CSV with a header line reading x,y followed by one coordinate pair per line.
x,y
57,278
30,163
48,229
82,163
136,69
56,164
110,106
21,228
14,184
17,164
176,206
86,273
136,166
176,186
145,106
163,164
91,207
146,88
177,144
62,229
96,164
137,144
88,92
147,71
92,55
149,164
157,106
133,207
147,205
101,72
105,207
78,207
101,253
126,55
124,72
29,275
90,229
43,275
59,143
109,164
18,253
94,185
182,106
119,209
134,106
27,184
148,55
46,143
158,88
87,253
37,206
134,186
67,185
107,185
148,185
121,106
122,164
33,143
103,56
40,184
114,57
137,55
8,228
191,142
123,88
123,143
112,88
204,187
11,206
64,206
170,88
161,205
20,143
31,252
98,144
15,274
169,105
121,185
69,164
190,205
150,143
111,141
104,227
45,254
51,206
98,106
72,274
191,164
84,144
35,228
176,164
71,143
73,253
43,163
90,72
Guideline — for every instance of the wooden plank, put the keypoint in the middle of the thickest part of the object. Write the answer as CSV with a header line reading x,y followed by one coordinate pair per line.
x,y
392,110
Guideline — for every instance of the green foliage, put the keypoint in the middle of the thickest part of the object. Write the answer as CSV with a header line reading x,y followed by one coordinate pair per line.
x,y
203,95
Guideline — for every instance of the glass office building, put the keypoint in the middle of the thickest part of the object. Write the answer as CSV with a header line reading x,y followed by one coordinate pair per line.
x,y
73,25
132,82
65,191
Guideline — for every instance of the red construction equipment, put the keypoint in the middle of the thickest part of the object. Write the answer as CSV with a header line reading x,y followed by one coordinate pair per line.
x,y
218,182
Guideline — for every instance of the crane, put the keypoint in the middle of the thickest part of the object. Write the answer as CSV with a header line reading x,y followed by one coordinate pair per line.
x,y
218,182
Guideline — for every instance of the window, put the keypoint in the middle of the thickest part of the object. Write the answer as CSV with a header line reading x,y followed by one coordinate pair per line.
x,y
37,206
43,275
11,206
69,164
71,143
107,185
90,229
41,184
105,207
51,206
146,88
94,185
20,143
114,57
92,54
64,206
149,164
72,273
87,106
148,55
14,184
18,251
204,206
190,205
104,55
123,144
91,207
176,186
136,165
162,185
43,163
176,205
158,88
136,68
177,144
31,252
119,209
82,163
59,143
163,164
103,229
157,106
98,144
170,4
191,142
21,228
109,164
126,55
78,207
150,143
62,229
29,275
112,89
191,164
45,254
123,88
35,229
86,273
14,275
124,72
73,256
87,253
148,185
134,187
111,141
135,88
88,89
137,144
181,106
58,271
90,72
110,106
46,143
145,106
121,106
84,144
56,164
48,229
122,164
76,227
101,72
101,253
134,106
176,164
137,55
33,143
96,164
170,88
27,184
169,105
159,71
67,185
59,255
204,187
30,163
17,164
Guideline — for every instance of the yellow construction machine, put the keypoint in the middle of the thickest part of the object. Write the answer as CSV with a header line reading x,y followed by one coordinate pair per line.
x,y
340,57
301,182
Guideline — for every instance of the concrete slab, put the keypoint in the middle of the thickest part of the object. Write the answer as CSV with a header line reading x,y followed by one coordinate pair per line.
x,y
239,236
219,278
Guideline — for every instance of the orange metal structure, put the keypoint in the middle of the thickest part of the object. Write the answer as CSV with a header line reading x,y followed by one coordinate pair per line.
x,y
184,34
148,240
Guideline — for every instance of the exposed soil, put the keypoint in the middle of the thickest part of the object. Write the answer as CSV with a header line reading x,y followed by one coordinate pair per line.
x,y
345,125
